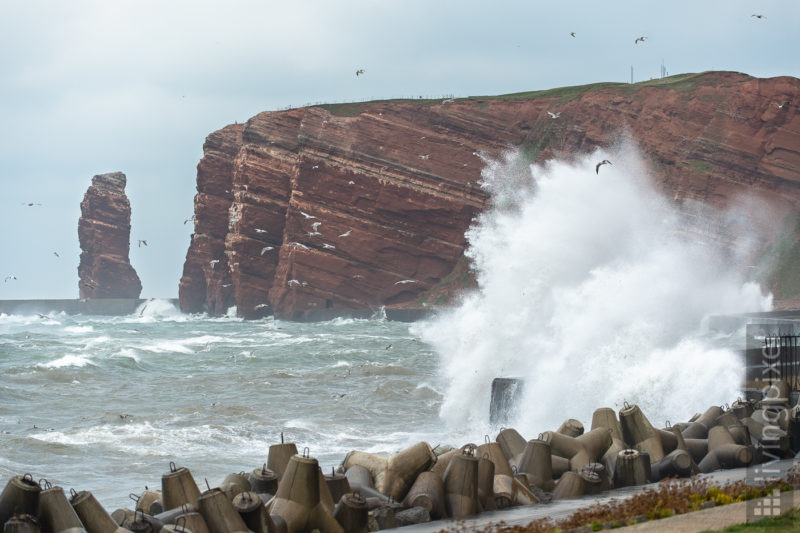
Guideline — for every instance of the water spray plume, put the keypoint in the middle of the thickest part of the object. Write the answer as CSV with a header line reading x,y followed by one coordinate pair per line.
x,y
592,290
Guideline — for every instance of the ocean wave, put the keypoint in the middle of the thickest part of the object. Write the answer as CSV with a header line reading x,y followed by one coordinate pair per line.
x,y
67,361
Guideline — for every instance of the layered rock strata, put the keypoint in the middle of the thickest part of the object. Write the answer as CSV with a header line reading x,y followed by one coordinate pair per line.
x,y
364,205
104,231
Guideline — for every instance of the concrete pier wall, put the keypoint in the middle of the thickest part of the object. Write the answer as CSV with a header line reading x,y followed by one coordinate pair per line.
x,y
89,306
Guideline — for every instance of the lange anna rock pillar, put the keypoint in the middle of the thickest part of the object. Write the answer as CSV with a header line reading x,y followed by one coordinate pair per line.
x,y
104,232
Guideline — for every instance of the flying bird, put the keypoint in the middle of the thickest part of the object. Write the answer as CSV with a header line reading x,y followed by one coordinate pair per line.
x,y
141,242
10,277
780,106
758,16
572,33
30,204
191,218
266,249
303,246
404,281
426,156
351,182
601,163
328,246
259,230
639,39
346,233
261,306
315,225
307,215
359,72
554,115
293,282
56,254
213,263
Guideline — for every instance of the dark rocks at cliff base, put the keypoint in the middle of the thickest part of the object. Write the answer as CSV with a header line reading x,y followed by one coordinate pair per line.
x,y
104,231
356,206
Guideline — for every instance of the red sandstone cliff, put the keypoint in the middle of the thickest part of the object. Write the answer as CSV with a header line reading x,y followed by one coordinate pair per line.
x,y
104,234
361,205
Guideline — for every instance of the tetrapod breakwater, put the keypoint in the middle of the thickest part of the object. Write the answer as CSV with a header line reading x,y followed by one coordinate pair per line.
x,y
367,492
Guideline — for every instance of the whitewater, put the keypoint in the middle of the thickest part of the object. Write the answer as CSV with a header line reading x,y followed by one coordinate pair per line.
x,y
589,289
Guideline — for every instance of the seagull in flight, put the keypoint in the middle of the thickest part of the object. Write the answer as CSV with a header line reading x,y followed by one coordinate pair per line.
x,y
572,33
141,242
328,246
293,282
307,215
346,233
259,230
315,225
10,277
404,281
639,39
359,72
266,249
780,106
601,163
31,204
758,16
554,115
56,254
191,218
213,263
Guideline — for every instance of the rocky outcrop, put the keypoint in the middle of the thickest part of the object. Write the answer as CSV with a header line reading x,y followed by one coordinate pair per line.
x,y
362,205
104,231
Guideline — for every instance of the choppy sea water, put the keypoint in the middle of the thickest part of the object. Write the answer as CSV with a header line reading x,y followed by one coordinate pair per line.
x,y
106,403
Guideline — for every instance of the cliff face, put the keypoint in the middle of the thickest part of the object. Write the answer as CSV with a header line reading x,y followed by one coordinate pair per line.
x,y
104,234
361,205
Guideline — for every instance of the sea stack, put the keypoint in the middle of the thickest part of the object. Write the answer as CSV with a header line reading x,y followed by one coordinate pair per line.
x,y
104,232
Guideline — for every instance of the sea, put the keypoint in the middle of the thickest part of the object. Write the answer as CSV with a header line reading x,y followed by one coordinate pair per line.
x,y
590,289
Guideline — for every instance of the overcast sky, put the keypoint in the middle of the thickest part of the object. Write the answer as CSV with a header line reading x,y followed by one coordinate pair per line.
x,y
88,87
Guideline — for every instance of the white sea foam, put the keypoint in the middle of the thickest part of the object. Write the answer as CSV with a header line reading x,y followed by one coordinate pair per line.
x,y
589,291
67,360
167,346
78,330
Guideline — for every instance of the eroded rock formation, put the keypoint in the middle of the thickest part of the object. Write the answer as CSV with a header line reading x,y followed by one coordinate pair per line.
x,y
361,205
104,231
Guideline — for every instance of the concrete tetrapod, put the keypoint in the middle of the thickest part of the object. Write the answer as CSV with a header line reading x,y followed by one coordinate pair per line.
x,y
360,479
512,444
571,428
605,481
279,455
606,417
150,502
777,393
338,486
632,468
461,486
352,514
428,492
92,515
486,484
193,520
536,462
298,502
723,452
21,523
638,432
698,428
234,484
56,515
588,448
219,513
263,481
494,452
395,475
253,513
675,463
20,496
569,486
178,487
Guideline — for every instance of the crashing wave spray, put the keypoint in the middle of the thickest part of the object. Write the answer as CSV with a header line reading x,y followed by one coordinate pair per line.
x,y
590,291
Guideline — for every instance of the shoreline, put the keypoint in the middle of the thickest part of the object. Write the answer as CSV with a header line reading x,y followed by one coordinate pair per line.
x,y
128,306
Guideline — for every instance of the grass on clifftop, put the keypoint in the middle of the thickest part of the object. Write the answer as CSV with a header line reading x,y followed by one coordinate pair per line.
x,y
678,82
786,522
